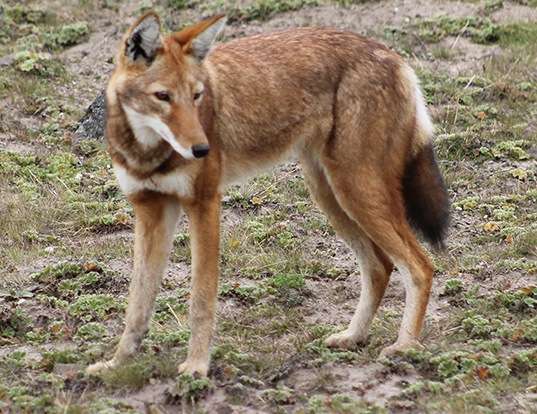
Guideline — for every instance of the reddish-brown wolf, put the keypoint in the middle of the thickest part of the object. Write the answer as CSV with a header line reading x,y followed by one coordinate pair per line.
x,y
185,121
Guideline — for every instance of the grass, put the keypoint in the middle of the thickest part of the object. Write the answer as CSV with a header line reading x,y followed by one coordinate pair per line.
x,y
258,10
287,283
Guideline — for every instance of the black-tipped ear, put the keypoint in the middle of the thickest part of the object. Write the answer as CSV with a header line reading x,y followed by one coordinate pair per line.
x,y
144,39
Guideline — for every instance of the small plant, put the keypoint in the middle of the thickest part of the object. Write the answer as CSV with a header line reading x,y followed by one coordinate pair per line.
x,y
524,361
529,330
67,35
480,30
91,331
339,404
170,307
288,281
189,388
493,5
510,149
52,274
21,14
180,4
15,359
90,307
169,338
14,323
280,395
58,357
37,63
265,9
477,326
523,300
453,287
454,365
247,294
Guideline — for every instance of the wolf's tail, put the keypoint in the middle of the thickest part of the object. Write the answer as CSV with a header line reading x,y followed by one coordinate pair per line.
x,y
424,192
426,198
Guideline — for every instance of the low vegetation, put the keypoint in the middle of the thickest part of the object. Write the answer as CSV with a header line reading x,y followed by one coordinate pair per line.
x,y
287,282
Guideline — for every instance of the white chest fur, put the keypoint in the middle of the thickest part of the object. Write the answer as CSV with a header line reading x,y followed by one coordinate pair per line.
x,y
174,183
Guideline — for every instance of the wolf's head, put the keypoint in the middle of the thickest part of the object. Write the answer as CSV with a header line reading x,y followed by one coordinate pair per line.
x,y
159,83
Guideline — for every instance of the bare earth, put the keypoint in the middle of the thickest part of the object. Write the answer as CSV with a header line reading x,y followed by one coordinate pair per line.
x,y
287,281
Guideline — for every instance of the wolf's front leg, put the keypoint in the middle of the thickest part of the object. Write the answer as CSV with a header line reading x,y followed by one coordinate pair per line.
x,y
204,220
156,218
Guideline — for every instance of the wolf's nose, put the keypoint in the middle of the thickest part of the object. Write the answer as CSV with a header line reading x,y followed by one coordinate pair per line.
x,y
200,150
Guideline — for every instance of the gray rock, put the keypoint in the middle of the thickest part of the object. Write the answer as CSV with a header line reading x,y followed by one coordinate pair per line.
x,y
91,125
7,60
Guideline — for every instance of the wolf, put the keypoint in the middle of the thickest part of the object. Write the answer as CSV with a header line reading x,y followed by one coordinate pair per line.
x,y
185,119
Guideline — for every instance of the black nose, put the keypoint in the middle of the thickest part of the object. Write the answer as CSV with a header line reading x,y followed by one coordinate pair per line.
x,y
200,150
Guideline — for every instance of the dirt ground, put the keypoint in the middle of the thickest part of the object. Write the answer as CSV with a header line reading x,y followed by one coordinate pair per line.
x,y
287,280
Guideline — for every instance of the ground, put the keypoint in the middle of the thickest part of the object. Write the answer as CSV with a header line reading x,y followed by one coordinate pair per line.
x,y
287,281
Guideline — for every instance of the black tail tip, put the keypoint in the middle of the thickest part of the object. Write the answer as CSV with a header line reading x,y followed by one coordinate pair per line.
x,y
426,198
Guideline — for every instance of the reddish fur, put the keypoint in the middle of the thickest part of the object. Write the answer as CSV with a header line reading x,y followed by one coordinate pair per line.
x,y
338,100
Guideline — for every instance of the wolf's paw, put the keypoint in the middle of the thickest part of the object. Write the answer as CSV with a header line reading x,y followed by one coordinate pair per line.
x,y
344,340
196,368
101,367
400,347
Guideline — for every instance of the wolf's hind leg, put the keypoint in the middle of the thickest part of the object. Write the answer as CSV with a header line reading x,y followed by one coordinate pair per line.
x,y
156,218
380,212
375,267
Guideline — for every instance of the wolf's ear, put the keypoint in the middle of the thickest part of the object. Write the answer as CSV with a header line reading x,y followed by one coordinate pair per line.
x,y
198,39
143,39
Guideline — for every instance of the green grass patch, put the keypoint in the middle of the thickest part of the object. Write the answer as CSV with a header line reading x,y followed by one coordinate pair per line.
x,y
479,30
259,9
189,389
67,35
95,307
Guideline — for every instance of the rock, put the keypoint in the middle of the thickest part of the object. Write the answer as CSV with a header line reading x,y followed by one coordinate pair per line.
x,y
7,60
91,125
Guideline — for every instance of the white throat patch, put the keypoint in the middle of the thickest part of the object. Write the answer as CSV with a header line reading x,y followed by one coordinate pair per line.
x,y
148,131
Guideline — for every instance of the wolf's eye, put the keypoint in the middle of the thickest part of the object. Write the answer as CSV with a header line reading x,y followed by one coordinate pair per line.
x,y
197,95
162,96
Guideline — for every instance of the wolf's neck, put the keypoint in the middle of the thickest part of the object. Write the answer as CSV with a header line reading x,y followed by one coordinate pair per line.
x,y
137,157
